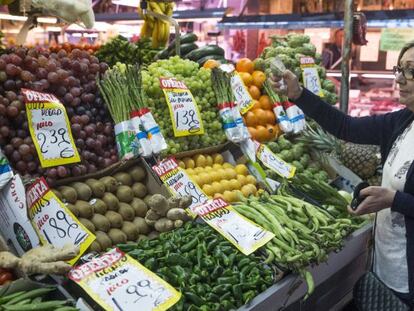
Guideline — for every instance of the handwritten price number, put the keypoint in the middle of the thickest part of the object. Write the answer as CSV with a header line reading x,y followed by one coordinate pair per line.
x,y
63,233
188,119
191,190
239,232
312,82
144,288
66,152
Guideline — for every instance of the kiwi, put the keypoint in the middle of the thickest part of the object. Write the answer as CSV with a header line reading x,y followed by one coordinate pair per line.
x,y
130,230
69,194
97,187
88,224
137,173
103,239
110,183
73,209
139,189
83,190
95,247
84,208
142,226
99,206
126,211
58,194
125,194
101,222
139,207
123,178
115,219
117,236
147,198
111,201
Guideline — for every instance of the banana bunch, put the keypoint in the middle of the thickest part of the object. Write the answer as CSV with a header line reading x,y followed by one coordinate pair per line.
x,y
156,28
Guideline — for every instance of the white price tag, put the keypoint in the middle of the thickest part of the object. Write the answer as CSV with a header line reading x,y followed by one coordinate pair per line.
x,y
229,68
271,161
242,95
185,116
118,282
50,129
310,75
240,231
178,182
53,222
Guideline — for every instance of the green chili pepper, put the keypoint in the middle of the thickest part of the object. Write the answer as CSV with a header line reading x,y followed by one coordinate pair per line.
x,y
228,280
243,262
221,289
211,245
190,245
195,299
150,264
237,291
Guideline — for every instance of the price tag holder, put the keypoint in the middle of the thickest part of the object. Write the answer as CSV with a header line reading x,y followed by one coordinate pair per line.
x,y
310,75
118,282
273,162
240,231
185,116
178,182
50,129
53,221
242,95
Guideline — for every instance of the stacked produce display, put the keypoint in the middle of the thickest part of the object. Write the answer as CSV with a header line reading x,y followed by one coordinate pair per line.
x,y
122,203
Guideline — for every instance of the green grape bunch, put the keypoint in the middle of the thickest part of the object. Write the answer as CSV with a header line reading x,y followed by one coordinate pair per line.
x,y
198,81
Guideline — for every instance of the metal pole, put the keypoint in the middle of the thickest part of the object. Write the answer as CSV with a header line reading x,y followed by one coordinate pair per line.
x,y
346,55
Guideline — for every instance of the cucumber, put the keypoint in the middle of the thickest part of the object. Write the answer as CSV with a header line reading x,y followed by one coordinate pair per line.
x,y
185,49
187,38
162,54
204,51
219,58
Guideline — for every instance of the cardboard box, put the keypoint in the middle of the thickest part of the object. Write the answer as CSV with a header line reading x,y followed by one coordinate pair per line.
x,y
16,227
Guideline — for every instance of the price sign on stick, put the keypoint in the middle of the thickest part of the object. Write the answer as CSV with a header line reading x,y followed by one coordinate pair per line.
x,y
310,75
50,129
53,221
118,282
271,161
242,95
178,182
185,116
240,231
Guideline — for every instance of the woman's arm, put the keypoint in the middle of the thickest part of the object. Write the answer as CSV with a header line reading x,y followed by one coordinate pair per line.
x,y
403,203
366,130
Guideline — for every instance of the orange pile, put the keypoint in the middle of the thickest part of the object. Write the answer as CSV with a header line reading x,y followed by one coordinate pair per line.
x,y
260,120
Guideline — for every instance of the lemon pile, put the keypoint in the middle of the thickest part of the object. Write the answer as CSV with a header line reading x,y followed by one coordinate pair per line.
x,y
218,178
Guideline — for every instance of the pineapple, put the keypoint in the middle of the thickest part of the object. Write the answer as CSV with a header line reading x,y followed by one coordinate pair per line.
x,y
363,160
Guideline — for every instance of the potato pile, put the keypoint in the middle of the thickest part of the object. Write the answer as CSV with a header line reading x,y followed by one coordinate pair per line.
x,y
119,208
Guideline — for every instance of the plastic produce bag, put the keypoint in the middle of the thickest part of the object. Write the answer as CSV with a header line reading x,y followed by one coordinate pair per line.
x,y
68,10
6,172
229,123
141,144
244,132
155,136
296,117
124,137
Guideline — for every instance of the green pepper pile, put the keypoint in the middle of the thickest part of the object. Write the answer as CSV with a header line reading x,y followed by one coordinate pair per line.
x,y
208,270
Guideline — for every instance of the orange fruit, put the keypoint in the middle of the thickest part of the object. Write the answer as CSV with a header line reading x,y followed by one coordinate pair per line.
x,y
265,102
260,116
270,117
211,63
262,133
245,65
254,91
250,119
256,104
253,132
259,78
246,78
272,131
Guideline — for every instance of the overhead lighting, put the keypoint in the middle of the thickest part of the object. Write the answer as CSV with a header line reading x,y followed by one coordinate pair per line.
x,y
47,20
13,17
378,76
133,3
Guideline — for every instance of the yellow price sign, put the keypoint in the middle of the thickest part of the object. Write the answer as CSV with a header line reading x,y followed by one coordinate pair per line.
x,y
242,95
273,162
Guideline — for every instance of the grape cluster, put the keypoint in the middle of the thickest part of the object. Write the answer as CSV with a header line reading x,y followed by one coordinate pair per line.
x,y
72,78
199,82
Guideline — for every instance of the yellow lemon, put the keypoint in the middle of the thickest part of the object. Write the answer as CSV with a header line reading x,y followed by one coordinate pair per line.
x,y
218,188
181,164
199,160
235,184
189,163
215,176
218,158
225,184
197,180
218,195
209,160
229,196
247,190
208,190
241,169
190,171
230,173
237,195
242,179
198,170
227,165
217,166
222,173
208,168
251,180
205,178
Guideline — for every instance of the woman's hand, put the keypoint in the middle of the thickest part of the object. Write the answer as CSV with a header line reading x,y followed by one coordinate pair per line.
x,y
292,88
376,199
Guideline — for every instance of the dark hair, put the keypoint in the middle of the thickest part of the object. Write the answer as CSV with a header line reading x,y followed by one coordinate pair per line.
x,y
405,48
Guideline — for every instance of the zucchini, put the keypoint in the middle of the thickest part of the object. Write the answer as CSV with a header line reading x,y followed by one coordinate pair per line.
x,y
162,54
219,58
187,38
185,49
204,51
